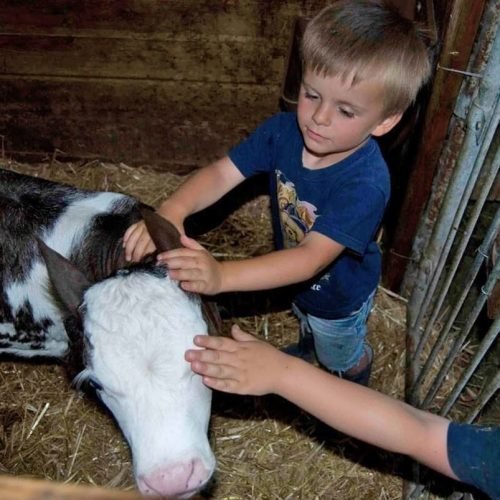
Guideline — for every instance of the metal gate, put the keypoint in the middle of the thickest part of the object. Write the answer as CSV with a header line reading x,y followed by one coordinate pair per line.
x,y
452,349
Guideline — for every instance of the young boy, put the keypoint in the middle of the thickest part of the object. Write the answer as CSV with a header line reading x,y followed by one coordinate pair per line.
x,y
363,65
246,365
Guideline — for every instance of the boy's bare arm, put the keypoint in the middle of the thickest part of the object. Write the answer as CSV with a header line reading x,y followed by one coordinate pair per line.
x,y
250,366
199,191
199,272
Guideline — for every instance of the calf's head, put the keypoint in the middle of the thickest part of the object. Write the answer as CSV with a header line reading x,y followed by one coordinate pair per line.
x,y
136,326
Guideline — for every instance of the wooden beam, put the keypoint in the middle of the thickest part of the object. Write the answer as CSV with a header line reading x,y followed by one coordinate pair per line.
x,y
137,122
458,41
17,488
190,59
148,18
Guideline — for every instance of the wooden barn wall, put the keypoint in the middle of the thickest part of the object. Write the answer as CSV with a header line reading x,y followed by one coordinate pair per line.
x,y
171,83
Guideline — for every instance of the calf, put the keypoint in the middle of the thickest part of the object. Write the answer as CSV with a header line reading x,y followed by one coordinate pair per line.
x,y
67,293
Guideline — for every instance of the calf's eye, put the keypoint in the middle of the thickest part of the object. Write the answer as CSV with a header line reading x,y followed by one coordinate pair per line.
x,y
94,384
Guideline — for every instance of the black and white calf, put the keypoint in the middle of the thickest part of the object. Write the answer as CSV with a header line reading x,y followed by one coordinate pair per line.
x,y
66,291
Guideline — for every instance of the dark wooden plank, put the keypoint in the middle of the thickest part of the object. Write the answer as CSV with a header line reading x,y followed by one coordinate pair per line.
x,y
121,79
163,123
246,18
163,82
200,59
30,489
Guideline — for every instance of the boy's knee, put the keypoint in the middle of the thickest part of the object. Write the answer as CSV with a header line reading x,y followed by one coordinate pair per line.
x,y
339,350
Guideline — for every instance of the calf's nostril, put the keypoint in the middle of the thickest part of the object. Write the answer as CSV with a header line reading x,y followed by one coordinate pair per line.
x,y
182,479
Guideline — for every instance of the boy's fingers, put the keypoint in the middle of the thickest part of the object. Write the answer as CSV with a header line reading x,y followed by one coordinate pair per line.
x,y
185,263
206,341
135,243
222,385
130,235
192,286
141,248
214,371
128,232
130,246
190,243
135,230
203,356
215,342
182,257
239,334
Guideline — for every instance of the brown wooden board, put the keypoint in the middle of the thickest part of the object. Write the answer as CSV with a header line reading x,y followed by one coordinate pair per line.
x,y
130,121
191,59
154,18
17,488
141,81
159,82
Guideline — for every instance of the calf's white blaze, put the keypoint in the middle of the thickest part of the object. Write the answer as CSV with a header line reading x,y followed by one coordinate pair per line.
x,y
138,327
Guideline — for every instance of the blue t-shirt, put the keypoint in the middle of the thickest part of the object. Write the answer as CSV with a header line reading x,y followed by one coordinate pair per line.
x,y
474,456
344,201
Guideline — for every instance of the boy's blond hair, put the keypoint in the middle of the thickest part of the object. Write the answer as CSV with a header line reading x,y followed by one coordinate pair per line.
x,y
368,39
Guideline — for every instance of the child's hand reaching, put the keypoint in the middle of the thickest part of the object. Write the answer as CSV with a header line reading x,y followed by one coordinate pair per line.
x,y
194,267
137,242
244,365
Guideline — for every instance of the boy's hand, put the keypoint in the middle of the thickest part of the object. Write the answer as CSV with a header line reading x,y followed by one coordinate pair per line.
x,y
194,267
244,365
137,242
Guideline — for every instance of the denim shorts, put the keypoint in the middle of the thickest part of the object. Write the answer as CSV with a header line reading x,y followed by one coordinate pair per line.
x,y
339,343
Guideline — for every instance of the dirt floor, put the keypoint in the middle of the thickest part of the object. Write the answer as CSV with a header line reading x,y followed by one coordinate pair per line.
x,y
265,447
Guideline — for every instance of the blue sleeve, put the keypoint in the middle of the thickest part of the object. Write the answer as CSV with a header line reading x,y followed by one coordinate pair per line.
x,y
353,216
255,154
474,456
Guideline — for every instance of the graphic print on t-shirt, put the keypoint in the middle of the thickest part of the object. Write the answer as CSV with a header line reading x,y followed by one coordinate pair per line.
x,y
296,216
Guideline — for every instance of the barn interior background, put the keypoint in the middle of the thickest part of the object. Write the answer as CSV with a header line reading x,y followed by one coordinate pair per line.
x,y
131,96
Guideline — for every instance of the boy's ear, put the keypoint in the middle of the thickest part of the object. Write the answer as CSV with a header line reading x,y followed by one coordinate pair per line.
x,y
387,124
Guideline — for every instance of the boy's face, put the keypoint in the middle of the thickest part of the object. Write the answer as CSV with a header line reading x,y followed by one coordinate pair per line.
x,y
336,118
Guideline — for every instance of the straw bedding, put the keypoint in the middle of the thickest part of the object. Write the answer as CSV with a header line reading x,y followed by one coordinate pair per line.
x,y
265,447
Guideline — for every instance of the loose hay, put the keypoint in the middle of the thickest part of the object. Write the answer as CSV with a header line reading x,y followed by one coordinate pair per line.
x,y
265,447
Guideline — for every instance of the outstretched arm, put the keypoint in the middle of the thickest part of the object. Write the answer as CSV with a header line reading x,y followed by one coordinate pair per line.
x,y
199,191
199,272
249,366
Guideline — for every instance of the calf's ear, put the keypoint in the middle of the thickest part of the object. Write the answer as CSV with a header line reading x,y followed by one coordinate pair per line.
x,y
167,237
68,281
163,233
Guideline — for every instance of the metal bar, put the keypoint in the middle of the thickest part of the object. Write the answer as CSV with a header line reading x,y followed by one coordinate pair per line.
x,y
451,146
486,394
481,254
439,248
483,117
457,345
480,353
459,341
468,169
491,169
